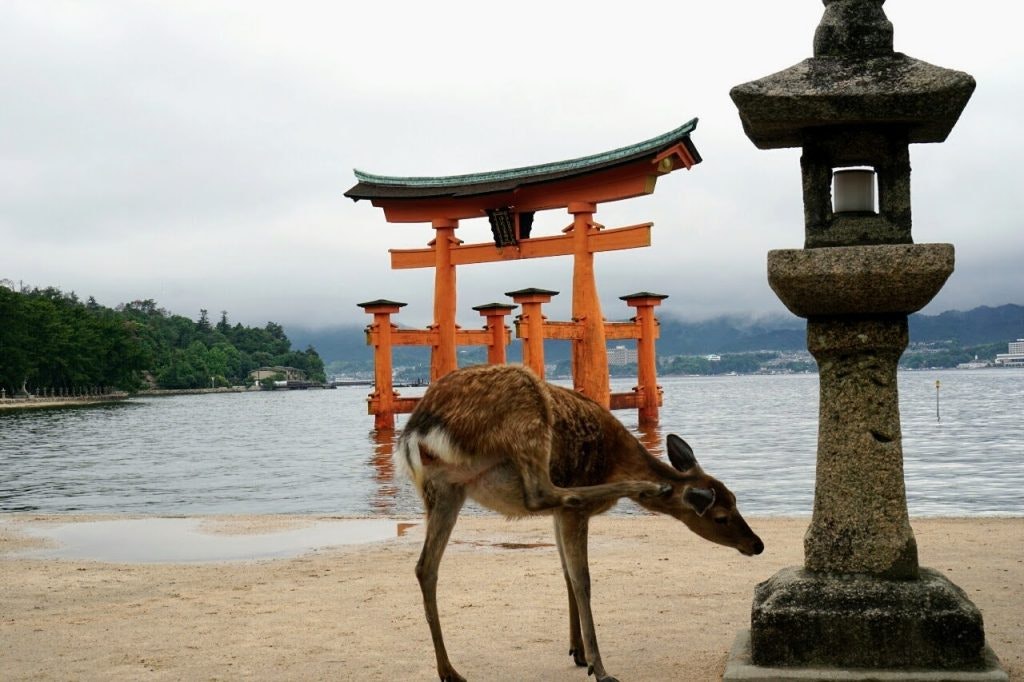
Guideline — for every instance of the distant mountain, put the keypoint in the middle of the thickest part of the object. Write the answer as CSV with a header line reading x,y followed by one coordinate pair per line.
x,y
978,326
731,334
1004,323
345,342
726,334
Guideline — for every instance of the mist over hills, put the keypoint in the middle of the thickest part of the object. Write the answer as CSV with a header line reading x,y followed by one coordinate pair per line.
x,y
724,334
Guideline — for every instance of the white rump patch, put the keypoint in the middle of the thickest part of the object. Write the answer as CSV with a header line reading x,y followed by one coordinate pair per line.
x,y
437,443
407,459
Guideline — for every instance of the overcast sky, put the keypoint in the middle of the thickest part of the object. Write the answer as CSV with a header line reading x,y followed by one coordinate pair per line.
x,y
196,153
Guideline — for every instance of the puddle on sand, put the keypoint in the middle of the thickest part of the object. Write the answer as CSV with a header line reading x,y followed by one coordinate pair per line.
x,y
182,540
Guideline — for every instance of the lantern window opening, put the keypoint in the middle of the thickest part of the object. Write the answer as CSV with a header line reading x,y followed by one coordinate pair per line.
x,y
855,190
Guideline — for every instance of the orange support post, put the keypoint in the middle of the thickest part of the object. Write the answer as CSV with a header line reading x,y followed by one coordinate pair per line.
x,y
443,357
590,353
648,392
495,314
530,325
382,402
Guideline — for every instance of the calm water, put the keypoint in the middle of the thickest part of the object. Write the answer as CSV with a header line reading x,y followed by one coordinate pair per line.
x,y
314,451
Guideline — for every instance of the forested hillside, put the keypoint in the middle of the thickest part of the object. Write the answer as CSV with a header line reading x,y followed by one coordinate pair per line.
x,y
52,340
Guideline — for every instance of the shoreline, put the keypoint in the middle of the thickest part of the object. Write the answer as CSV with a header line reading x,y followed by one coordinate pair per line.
x,y
668,605
34,403
43,403
158,392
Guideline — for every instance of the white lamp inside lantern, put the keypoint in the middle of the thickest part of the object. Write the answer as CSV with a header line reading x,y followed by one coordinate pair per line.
x,y
853,190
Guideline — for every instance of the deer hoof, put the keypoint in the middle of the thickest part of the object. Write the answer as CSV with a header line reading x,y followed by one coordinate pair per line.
x,y
601,678
452,676
577,657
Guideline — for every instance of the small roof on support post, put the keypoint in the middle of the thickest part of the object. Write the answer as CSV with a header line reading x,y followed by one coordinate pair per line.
x,y
617,174
643,294
381,305
488,307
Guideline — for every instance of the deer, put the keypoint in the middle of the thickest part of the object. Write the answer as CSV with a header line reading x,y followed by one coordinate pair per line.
x,y
517,445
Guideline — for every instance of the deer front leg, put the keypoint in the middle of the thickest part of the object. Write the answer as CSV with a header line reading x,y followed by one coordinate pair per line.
x,y
443,502
573,529
575,638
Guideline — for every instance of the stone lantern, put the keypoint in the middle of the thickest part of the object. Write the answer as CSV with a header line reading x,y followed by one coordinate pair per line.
x,y
860,601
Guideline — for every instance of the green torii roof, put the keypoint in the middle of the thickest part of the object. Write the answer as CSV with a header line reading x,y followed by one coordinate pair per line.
x,y
372,186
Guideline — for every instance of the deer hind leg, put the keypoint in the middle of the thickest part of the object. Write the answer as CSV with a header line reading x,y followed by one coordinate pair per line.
x,y
572,532
540,494
531,456
443,501
575,638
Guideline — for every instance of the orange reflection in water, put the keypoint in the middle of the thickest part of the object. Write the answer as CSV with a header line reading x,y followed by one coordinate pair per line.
x,y
651,437
383,463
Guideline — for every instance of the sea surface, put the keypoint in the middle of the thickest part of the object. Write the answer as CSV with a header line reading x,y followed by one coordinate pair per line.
x,y
316,452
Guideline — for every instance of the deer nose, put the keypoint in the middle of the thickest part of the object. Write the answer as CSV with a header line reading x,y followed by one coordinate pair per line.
x,y
758,546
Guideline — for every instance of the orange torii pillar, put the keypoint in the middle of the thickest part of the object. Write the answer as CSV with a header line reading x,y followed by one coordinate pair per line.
x,y
443,355
530,325
589,349
647,389
382,401
500,336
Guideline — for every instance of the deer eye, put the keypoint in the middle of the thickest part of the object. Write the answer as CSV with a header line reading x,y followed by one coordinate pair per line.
x,y
722,519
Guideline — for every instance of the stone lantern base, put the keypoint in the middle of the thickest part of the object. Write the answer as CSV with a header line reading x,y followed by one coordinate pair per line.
x,y
819,626
740,668
802,618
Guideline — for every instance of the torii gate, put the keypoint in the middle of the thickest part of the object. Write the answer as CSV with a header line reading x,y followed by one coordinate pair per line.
x,y
509,199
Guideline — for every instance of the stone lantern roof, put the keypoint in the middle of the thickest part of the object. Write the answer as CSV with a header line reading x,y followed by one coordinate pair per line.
x,y
854,79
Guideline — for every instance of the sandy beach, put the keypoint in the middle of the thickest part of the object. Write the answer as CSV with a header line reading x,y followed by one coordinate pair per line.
x,y
667,604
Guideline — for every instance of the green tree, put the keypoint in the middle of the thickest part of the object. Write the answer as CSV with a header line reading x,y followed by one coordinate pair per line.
x,y
50,339
16,359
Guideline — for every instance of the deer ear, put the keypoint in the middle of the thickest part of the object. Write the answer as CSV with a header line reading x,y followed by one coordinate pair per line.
x,y
680,453
700,499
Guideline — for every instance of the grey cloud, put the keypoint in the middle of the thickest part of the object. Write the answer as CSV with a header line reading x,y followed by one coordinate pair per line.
x,y
197,154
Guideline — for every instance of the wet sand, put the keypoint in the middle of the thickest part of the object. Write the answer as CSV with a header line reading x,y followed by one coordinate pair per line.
x,y
667,604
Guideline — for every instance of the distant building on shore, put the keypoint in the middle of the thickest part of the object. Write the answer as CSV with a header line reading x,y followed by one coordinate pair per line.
x,y
289,373
620,356
1014,357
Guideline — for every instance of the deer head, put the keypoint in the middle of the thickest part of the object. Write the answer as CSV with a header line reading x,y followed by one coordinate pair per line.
x,y
703,503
